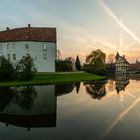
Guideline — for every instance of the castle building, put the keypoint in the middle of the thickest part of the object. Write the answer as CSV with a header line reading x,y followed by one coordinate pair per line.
x,y
38,42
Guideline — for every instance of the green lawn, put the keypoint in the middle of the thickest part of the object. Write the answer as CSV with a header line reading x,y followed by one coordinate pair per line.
x,y
55,78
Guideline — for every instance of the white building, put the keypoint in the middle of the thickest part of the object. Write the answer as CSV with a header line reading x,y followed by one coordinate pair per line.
x,y
39,42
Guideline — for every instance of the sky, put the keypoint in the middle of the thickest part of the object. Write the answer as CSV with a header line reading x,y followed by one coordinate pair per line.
x,y
82,25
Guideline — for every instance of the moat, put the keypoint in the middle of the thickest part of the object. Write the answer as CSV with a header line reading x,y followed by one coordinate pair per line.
x,y
108,109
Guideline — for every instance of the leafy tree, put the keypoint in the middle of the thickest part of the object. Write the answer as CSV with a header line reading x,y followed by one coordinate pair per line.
x,y
111,58
97,59
77,63
110,66
65,65
26,68
7,71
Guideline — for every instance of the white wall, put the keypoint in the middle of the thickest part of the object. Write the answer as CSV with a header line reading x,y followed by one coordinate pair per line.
x,y
35,50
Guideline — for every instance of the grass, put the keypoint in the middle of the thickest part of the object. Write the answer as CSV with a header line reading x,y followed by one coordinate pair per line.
x,y
55,78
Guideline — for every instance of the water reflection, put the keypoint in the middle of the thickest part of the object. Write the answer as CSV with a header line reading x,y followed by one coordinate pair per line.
x,y
32,106
77,85
35,106
96,90
24,97
122,80
60,107
6,95
28,106
64,89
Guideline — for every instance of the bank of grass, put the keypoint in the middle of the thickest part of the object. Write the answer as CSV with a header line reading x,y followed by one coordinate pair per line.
x,y
55,78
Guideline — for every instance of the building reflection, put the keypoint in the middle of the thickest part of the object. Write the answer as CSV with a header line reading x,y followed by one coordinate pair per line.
x,y
122,80
28,106
31,106
96,90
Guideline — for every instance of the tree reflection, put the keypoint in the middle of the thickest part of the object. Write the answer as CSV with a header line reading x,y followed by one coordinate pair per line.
x,y
6,94
22,107
111,85
25,97
96,89
77,85
64,89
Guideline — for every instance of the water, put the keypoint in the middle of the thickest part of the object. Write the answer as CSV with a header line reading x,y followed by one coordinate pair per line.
x,y
80,111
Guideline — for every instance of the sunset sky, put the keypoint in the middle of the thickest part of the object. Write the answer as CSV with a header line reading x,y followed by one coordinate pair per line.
x,y
82,25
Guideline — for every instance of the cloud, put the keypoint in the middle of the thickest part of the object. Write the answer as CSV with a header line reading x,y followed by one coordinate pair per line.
x,y
115,18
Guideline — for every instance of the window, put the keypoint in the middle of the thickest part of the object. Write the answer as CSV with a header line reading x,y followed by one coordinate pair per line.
x,y
26,46
45,47
27,54
7,46
8,56
44,57
14,56
14,47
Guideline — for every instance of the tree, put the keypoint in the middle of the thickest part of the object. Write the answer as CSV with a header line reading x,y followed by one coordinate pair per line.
x,y
77,63
65,65
26,68
7,71
59,55
97,59
111,58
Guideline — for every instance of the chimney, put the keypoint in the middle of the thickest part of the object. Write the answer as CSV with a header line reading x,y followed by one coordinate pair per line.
x,y
7,28
29,25
123,56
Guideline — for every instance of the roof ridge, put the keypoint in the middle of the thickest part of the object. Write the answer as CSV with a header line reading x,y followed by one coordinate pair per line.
x,y
10,29
43,34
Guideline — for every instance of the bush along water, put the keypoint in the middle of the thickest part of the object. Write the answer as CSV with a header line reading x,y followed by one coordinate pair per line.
x,y
22,70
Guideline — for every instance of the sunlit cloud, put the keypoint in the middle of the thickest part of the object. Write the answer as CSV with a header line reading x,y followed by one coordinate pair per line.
x,y
75,37
116,19
121,41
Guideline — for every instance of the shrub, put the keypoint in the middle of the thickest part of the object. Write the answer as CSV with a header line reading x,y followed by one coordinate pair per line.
x,y
64,65
7,71
91,69
26,68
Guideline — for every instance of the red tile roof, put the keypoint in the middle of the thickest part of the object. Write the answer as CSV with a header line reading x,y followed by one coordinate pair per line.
x,y
29,34
134,66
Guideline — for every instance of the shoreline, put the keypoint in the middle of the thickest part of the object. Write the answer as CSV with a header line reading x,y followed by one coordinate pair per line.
x,y
54,78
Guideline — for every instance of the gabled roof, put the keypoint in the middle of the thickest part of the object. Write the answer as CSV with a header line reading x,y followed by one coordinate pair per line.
x,y
29,34
117,55
122,57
